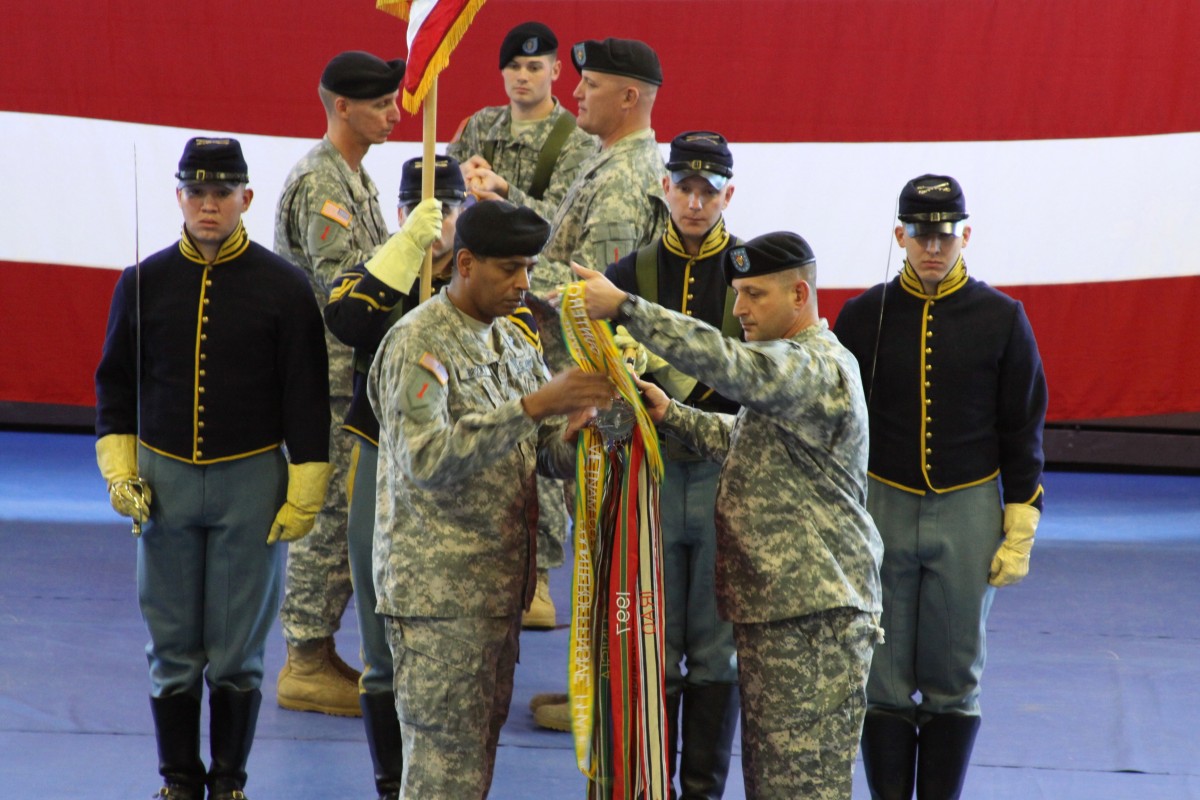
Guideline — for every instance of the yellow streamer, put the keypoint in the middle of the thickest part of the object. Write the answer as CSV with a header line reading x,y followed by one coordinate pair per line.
x,y
590,343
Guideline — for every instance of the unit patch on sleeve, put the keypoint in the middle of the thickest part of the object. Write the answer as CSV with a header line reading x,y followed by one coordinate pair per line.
x,y
424,390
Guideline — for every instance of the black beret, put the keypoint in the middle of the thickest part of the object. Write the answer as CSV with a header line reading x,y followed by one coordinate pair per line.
x,y
208,160
702,153
627,57
771,252
448,185
499,229
362,76
932,204
527,39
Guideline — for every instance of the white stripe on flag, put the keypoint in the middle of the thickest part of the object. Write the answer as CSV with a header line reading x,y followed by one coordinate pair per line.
x,y
418,12
1043,212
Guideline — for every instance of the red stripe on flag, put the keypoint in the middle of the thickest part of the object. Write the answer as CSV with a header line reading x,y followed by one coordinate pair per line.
x,y
791,70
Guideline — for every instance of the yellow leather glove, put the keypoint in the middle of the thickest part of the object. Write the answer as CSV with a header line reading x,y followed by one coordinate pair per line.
x,y
398,262
1011,562
116,455
305,495
672,380
631,350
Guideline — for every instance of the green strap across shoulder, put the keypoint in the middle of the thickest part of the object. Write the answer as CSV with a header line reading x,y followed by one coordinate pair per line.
x,y
646,269
548,157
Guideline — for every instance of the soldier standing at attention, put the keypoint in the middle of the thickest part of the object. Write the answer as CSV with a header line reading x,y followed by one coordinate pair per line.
x,y
957,403
683,271
214,359
797,553
616,204
466,415
327,220
529,152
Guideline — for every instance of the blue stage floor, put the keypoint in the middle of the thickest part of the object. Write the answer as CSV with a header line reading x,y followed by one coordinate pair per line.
x,y
1092,690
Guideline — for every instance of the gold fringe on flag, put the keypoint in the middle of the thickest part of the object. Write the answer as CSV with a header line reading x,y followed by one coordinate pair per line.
x,y
439,59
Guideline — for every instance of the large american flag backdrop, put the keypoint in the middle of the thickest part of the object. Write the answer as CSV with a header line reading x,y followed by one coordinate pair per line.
x,y
1072,125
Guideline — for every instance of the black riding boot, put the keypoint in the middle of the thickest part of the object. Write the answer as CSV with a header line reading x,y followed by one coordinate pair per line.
x,y
710,715
944,755
383,737
177,730
233,716
889,754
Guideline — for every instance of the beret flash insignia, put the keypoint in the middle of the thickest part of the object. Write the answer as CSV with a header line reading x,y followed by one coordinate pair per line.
x,y
740,259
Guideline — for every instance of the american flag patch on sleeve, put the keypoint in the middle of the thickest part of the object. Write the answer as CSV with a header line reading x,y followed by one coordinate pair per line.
x,y
333,211
433,365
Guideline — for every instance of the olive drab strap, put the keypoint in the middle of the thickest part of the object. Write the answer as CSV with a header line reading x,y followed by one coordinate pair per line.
x,y
646,270
548,157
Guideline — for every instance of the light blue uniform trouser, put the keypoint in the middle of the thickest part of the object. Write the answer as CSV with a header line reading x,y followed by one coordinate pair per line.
x,y
360,531
695,632
208,582
937,550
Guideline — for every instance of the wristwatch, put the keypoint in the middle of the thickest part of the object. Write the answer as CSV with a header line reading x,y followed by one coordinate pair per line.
x,y
625,310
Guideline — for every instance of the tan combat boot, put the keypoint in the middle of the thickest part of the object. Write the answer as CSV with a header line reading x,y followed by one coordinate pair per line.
x,y
555,716
540,615
314,678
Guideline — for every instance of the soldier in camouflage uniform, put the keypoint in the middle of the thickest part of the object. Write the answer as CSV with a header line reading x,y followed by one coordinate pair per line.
x,y
797,553
501,147
529,152
365,303
682,270
616,202
327,220
463,406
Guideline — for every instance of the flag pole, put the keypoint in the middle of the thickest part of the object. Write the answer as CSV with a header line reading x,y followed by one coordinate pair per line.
x,y
428,169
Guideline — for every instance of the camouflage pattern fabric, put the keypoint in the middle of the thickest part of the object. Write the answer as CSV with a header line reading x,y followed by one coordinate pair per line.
x,y
327,220
803,697
457,455
515,156
552,522
318,586
615,206
793,533
454,685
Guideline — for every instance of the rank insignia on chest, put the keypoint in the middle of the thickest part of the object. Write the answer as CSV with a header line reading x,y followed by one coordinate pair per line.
x,y
331,210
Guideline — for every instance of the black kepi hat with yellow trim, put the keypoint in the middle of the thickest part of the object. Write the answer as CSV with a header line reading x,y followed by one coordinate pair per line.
x,y
931,204
212,160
